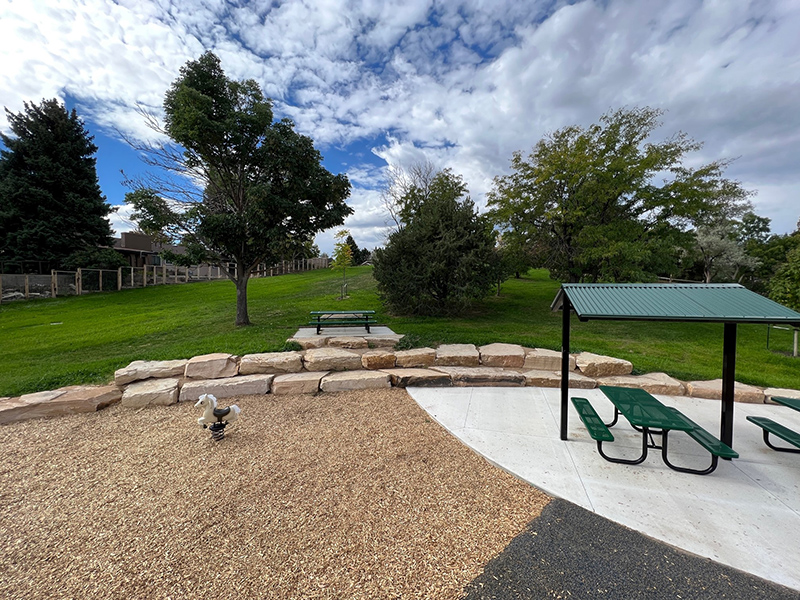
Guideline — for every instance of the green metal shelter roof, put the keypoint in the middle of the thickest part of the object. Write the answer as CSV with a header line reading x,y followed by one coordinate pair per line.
x,y
710,302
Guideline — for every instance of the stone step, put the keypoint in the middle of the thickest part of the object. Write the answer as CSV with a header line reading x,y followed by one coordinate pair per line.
x,y
146,369
243,385
212,366
539,378
457,355
417,357
654,383
271,362
713,389
502,355
151,392
482,376
596,365
355,380
331,359
414,377
64,401
306,382
542,359
378,359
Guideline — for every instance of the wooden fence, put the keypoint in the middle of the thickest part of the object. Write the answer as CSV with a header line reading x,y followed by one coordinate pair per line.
x,y
83,281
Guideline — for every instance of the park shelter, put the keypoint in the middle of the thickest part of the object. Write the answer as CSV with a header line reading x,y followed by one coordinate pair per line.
x,y
728,303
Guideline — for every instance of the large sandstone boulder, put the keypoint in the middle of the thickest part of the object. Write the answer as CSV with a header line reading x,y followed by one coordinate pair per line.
x,y
418,378
65,401
384,341
351,342
145,369
713,389
331,359
542,359
212,366
781,393
355,380
418,357
655,383
271,362
482,376
151,392
306,382
307,343
378,359
457,355
244,385
596,365
537,378
502,355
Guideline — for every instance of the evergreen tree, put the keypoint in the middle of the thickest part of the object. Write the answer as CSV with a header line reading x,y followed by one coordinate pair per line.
x,y
442,258
51,206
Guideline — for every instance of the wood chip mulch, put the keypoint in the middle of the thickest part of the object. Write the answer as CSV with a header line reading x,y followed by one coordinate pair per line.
x,y
349,495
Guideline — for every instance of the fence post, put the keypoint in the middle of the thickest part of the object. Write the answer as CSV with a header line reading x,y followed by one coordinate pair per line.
x,y
1,289
79,281
100,279
133,281
164,273
27,286
119,278
794,350
53,284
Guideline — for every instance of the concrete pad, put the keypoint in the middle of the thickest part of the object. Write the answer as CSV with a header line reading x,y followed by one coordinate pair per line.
x,y
354,380
243,385
742,515
298,383
502,355
457,355
463,376
375,331
713,390
418,378
271,362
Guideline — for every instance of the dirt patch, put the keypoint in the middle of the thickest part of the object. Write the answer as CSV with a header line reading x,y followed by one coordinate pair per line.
x,y
350,495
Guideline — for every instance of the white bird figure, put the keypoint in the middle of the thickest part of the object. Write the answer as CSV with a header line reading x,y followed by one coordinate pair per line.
x,y
212,414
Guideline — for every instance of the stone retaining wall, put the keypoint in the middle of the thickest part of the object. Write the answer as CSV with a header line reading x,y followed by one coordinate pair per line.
x,y
350,364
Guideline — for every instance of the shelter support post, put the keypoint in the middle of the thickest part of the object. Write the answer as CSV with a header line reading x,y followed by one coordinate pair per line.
x,y
728,377
566,308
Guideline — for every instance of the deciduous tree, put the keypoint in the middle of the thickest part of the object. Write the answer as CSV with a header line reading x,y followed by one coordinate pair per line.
x,y
588,205
240,187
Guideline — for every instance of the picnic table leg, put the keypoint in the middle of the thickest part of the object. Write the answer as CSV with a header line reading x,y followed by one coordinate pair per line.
x,y
626,461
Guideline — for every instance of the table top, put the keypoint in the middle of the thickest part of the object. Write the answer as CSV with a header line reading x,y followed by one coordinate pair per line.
x,y
342,312
790,402
643,410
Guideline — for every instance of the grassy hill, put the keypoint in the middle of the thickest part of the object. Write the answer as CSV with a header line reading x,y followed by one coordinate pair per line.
x,y
50,343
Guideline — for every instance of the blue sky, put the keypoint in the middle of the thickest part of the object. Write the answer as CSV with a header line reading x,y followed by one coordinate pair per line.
x,y
461,84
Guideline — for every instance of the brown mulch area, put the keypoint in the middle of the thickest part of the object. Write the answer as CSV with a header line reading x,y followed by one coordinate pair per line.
x,y
350,495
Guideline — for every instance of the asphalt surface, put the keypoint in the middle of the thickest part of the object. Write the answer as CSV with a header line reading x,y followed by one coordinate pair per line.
x,y
571,553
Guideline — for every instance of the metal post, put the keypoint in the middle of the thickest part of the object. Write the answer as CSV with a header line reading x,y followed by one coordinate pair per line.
x,y
164,273
53,284
794,351
728,381
132,279
100,279
27,286
79,281
119,278
566,307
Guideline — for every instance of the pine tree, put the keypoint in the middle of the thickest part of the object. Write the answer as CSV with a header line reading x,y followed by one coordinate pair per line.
x,y
50,200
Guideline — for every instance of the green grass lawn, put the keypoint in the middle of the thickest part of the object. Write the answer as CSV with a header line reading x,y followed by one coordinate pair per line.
x,y
50,343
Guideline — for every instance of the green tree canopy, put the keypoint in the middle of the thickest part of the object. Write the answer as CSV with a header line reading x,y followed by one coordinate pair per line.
x,y
586,202
441,259
51,206
246,189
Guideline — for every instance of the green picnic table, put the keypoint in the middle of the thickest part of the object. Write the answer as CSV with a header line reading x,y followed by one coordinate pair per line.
x,y
342,318
650,417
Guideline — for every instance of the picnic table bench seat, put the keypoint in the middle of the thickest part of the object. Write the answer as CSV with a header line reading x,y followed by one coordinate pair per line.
x,y
715,447
778,430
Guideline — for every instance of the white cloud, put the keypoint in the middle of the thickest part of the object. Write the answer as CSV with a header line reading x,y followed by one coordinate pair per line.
x,y
462,84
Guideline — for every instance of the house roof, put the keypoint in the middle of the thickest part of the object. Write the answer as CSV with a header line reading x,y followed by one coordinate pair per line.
x,y
709,302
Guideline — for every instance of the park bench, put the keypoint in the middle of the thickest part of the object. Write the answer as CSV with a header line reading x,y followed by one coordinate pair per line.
x,y
648,416
778,430
342,318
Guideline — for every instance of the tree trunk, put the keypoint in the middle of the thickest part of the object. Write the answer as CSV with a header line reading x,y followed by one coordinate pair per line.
x,y
242,318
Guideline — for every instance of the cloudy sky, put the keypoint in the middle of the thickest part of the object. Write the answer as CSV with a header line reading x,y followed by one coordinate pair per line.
x,y
462,84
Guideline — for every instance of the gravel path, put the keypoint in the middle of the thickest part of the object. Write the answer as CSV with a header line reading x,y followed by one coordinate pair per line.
x,y
571,553
356,495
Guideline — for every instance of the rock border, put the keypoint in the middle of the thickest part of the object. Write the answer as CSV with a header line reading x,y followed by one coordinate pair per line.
x,y
347,363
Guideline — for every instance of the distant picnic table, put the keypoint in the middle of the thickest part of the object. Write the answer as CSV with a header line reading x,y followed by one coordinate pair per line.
x,y
342,318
